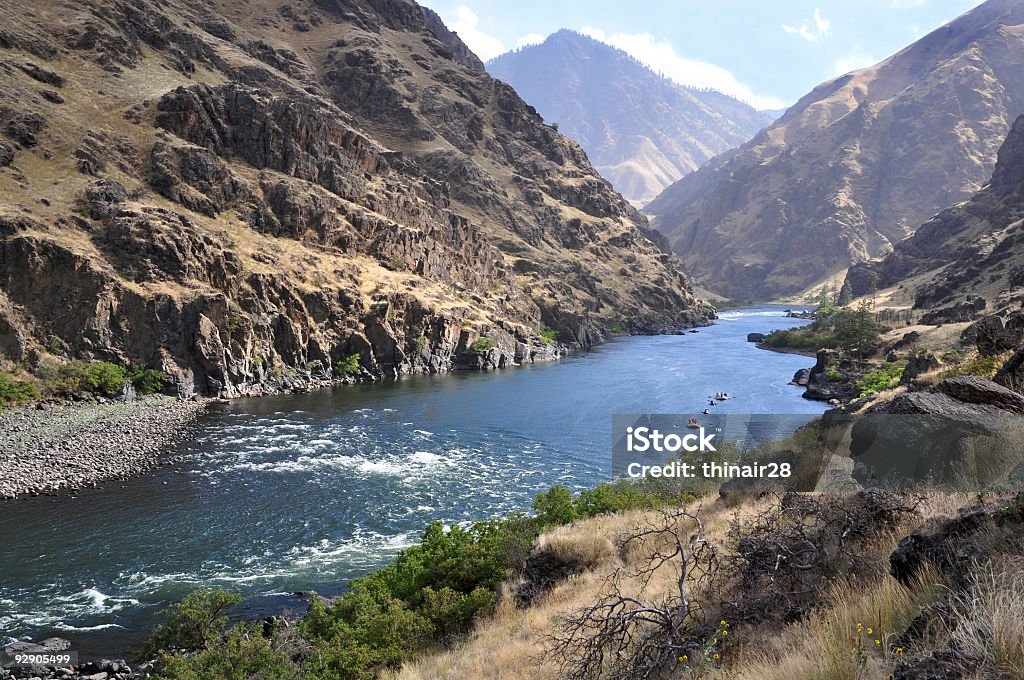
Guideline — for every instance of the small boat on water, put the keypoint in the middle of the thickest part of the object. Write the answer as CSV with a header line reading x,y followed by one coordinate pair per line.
x,y
693,423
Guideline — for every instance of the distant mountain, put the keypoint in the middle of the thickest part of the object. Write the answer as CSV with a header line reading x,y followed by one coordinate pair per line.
x,y
969,252
641,130
856,165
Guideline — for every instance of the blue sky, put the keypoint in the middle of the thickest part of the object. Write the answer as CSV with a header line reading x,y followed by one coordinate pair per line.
x,y
768,53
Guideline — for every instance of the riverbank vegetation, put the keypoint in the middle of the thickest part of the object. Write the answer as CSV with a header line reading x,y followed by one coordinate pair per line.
x,y
852,330
770,587
429,597
74,379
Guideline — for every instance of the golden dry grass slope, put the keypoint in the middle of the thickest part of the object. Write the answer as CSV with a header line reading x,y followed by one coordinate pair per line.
x,y
865,622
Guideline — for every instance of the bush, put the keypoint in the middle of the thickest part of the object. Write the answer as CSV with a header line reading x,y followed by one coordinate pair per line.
x,y
481,345
349,366
98,377
886,377
833,374
555,507
804,339
191,624
16,391
244,653
146,380
979,367
548,335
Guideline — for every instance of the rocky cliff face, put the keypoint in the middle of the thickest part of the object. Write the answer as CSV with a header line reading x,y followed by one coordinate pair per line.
x,y
241,194
969,258
856,165
641,130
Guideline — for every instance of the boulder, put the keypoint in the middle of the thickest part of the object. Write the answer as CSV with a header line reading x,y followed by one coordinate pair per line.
x,y
937,439
918,364
1011,375
756,337
801,377
974,390
967,310
956,545
996,334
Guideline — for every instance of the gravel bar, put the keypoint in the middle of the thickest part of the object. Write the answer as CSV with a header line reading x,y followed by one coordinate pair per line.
x,y
71,445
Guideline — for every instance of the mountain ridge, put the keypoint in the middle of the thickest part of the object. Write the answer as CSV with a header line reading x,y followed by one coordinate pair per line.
x,y
855,165
641,130
967,260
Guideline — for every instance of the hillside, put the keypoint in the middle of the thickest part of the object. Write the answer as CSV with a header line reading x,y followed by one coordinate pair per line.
x,y
965,261
642,131
243,195
856,165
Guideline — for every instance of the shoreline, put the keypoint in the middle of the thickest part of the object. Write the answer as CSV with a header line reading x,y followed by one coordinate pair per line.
x,y
787,350
52,448
59,448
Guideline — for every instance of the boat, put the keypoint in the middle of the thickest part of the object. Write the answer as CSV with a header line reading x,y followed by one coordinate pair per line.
x,y
693,423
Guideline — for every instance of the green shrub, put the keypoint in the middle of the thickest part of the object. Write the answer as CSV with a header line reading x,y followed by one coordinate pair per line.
x,y
361,634
833,374
555,507
146,380
617,327
979,367
886,377
242,654
548,335
98,377
349,366
481,345
191,624
16,391
804,339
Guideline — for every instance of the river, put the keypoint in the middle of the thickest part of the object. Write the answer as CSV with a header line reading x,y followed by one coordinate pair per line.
x,y
280,495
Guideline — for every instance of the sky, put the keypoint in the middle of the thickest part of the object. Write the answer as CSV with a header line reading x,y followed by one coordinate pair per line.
x,y
768,53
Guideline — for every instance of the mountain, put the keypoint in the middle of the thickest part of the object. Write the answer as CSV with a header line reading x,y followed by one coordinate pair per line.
x,y
856,165
244,195
641,130
966,260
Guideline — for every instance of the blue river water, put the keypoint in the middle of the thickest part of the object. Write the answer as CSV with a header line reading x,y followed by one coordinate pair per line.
x,y
280,495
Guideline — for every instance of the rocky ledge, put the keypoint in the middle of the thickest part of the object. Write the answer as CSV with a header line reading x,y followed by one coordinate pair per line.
x,y
65,446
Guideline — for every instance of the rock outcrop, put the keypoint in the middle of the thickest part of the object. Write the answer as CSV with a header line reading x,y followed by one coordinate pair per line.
x,y
959,435
642,131
244,196
856,165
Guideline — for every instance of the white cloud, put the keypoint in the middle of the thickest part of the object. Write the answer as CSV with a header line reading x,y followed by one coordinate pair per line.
x,y
661,57
811,30
907,4
852,62
530,39
466,24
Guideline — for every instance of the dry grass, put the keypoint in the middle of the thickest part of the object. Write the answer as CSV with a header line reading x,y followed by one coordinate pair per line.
x,y
509,645
852,640
991,619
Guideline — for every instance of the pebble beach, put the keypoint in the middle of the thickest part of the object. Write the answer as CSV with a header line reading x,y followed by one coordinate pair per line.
x,y
56,447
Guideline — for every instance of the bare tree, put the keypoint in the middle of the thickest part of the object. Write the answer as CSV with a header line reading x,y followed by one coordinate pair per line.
x,y
629,636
